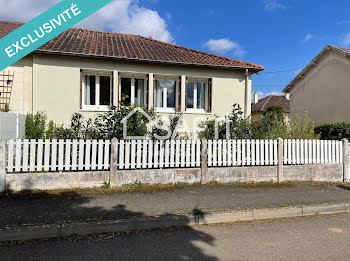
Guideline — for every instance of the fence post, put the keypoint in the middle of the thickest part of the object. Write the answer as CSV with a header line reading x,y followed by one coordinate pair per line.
x,y
204,161
2,164
345,160
114,162
280,177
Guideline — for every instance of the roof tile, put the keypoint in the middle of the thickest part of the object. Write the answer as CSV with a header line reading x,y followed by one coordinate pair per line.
x,y
276,100
125,46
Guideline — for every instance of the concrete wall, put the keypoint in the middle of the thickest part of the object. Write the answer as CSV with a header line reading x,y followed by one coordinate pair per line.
x,y
323,173
55,180
70,180
325,90
243,174
156,176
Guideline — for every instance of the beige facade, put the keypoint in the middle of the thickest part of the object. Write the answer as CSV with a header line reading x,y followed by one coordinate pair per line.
x,y
21,94
323,89
52,84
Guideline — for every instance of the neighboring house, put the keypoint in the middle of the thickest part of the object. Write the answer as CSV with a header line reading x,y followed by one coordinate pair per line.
x,y
322,88
88,71
259,106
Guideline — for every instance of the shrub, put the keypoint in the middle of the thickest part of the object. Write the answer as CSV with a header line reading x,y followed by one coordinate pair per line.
x,y
208,127
299,127
239,127
274,113
271,125
334,130
108,125
35,126
104,126
173,120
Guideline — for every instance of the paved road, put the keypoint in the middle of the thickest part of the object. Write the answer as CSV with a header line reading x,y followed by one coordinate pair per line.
x,y
84,206
315,238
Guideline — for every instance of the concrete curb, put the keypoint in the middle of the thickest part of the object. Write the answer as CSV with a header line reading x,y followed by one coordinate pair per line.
x,y
147,223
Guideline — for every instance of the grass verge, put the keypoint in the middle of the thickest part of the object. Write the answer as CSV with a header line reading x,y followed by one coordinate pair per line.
x,y
144,188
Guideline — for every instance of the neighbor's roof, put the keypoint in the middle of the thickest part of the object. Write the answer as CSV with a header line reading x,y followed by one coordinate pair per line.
x,y
126,47
341,50
277,100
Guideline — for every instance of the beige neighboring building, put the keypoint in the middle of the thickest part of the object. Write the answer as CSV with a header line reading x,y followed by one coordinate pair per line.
x,y
322,88
88,71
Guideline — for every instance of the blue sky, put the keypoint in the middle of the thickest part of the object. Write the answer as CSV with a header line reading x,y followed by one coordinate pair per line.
x,y
279,34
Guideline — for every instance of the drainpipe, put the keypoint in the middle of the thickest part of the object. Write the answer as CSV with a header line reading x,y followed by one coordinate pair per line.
x,y
246,94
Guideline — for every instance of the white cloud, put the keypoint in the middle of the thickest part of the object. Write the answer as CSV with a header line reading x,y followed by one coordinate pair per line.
x,y
23,11
264,94
126,16
168,15
345,21
225,45
307,37
272,5
345,40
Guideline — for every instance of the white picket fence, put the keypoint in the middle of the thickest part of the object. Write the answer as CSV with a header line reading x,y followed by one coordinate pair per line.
x,y
242,152
148,154
265,152
303,152
89,155
57,155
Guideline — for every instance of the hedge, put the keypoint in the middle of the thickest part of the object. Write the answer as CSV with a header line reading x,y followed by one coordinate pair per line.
x,y
334,130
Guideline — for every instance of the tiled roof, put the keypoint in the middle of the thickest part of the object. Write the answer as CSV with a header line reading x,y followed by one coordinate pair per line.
x,y
277,100
344,49
107,45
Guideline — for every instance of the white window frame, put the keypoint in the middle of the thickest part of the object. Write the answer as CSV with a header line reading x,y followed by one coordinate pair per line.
x,y
97,106
165,107
195,109
133,78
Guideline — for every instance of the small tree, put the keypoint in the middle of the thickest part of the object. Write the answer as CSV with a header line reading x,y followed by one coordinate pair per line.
x,y
334,130
173,120
35,126
239,128
274,113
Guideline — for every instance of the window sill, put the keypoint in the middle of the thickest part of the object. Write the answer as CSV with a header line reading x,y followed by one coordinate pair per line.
x,y
194,111
165,110
95,110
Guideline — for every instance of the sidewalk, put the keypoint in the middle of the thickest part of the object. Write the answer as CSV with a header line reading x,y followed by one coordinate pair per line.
x,y
45,208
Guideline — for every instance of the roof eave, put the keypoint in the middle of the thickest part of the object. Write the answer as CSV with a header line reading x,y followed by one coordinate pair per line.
x,y
136,60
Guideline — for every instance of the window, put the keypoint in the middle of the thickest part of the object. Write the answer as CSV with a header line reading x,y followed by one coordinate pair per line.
x,y
165,93
105,90
97,91
140,97
196,95
132,91
90,89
